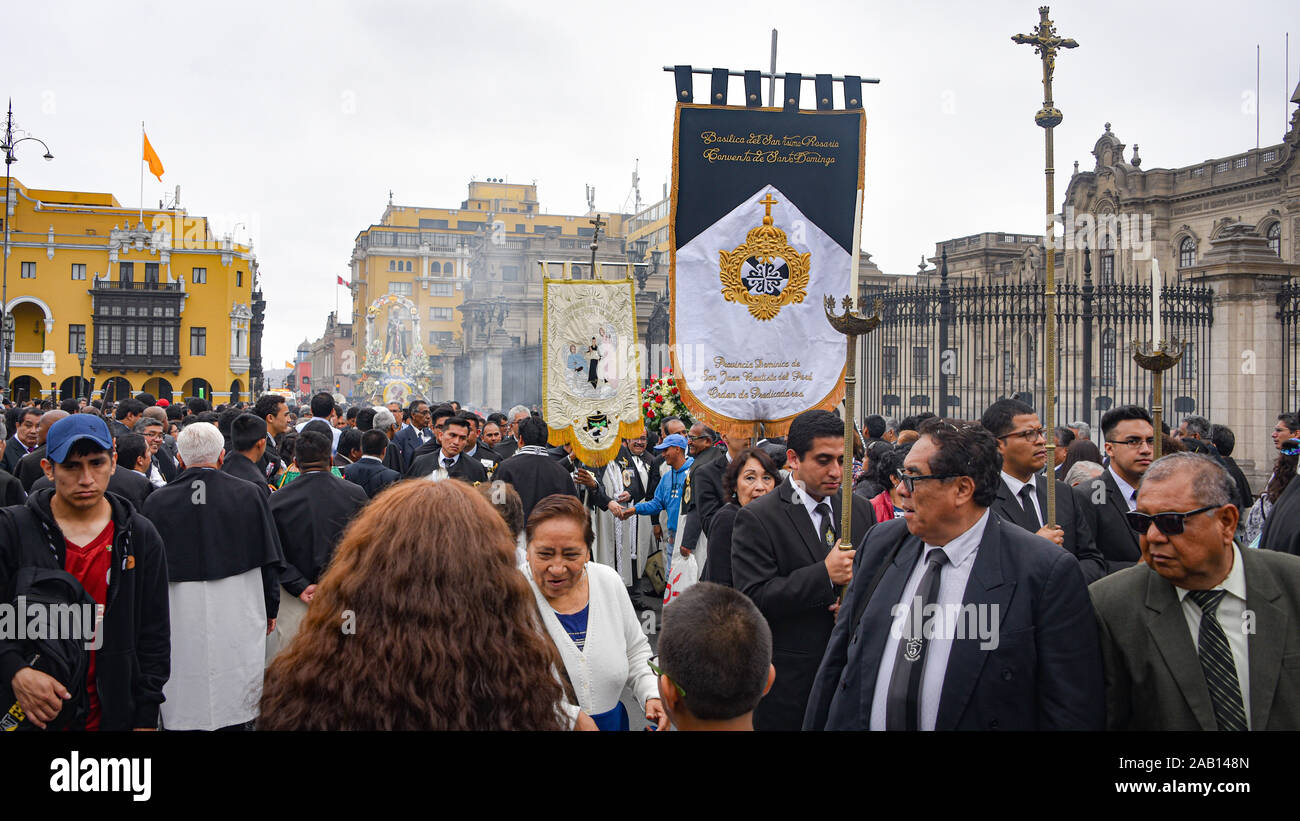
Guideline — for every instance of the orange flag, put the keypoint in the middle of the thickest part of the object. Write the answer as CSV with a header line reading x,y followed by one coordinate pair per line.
x,y
151,157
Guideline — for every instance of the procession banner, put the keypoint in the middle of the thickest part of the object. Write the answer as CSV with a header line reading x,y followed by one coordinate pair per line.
x,y
590,367
762,229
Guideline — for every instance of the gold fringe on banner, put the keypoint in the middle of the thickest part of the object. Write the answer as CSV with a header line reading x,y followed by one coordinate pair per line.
x,y
595,458
739,428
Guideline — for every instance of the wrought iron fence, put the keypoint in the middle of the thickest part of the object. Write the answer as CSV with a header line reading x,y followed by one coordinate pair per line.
x,y
1288,313
955,349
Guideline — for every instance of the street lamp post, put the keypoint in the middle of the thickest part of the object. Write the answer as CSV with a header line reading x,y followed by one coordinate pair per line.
x,y
5,318
81,378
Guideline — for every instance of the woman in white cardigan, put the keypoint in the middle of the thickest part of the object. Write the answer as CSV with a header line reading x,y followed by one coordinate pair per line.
x,y
586,610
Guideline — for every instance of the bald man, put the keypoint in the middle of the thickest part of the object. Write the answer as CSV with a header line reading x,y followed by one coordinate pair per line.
x,y
29,467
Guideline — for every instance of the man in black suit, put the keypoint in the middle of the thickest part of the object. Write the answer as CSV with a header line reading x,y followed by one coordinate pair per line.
x,y
274,410
418,433
24,440
958,619
310,515
1022,494
349,448
510,441
161,467
784,557
127,413
1224,441
29,468
248,438
1201,635
705,451
1130,444
12,491
369,472
531,471
438,421
448,462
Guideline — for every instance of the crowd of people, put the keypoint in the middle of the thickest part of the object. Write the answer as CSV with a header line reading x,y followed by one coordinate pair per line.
x,y
252,562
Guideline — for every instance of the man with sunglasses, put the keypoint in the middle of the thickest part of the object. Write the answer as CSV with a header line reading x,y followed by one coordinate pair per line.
x,y
1022,495
905,653
1130,446
1202,635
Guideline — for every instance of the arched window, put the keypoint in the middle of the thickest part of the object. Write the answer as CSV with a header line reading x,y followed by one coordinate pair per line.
x,y
435,268
1107,259
1187,253
1275,238
1108,357
1031,355
392,265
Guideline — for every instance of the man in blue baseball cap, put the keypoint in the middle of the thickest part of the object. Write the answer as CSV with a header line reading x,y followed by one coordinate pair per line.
x,y
115,554
668,493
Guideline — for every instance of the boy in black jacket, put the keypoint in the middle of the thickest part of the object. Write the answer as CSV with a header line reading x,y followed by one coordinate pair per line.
x,y
117,556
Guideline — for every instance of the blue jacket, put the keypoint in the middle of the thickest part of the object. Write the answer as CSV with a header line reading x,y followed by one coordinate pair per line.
x,y
668,495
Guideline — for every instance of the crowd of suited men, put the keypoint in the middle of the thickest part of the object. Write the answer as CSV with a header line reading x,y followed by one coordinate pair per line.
x,y
1162,594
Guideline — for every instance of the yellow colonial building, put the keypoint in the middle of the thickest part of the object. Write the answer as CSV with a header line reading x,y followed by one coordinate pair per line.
x,y
158,302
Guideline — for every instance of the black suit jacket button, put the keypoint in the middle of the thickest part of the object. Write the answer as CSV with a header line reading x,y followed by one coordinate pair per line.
x,y
1007,675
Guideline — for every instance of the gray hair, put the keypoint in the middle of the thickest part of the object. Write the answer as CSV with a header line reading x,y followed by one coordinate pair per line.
x,y
200,444
891,424
1210,482
1083,471
1084,430
383,420
1198,426
4,432
516,411
147,422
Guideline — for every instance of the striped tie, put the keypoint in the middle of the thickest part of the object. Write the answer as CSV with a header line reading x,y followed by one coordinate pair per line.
x,y
1217,664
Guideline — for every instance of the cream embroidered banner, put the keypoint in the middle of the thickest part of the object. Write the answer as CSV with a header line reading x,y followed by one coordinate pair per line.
x,y
590,366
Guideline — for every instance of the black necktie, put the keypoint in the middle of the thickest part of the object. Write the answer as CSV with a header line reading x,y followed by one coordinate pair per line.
x,y
903,703
447,462
1027,502
1217,664
827,527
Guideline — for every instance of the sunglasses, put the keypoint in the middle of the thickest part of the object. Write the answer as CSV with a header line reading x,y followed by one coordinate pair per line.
x,y
658,671
1170,524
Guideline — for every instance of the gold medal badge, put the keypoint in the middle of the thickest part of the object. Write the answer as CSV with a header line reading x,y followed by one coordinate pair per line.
x,y
765,273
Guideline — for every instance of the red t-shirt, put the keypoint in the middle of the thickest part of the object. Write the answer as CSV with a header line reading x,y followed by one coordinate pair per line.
x,y
89,565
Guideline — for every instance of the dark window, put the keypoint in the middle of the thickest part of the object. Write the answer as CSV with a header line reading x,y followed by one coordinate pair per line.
x,y
199,276
428,223
1108,357
1008,368
126,273
1187,253
920,362
239,279
586,232
1187,364
151,273
29,270
392,265
78,271
889,362
435,268
1107,260
198,341
1275,238
76,338
510,273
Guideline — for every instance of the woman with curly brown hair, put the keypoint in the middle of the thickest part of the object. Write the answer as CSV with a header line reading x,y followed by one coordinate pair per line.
x,y
421,622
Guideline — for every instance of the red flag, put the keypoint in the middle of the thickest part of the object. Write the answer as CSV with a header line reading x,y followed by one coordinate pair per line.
x,y
341,282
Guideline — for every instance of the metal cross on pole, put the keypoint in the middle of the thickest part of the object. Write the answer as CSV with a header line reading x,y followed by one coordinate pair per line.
x,y
595,241
1046,44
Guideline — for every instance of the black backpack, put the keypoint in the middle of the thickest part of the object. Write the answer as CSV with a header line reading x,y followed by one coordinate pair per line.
x,y
65,658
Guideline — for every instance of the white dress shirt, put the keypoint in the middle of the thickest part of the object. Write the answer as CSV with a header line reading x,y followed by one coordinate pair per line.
x,y
810,504
1125,489
1231,615
1014,485
952,588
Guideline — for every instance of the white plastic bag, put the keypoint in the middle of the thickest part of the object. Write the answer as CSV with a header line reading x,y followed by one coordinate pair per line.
x,y
683,573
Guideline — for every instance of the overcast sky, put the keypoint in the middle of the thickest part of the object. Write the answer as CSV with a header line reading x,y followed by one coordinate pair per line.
x,y
297,118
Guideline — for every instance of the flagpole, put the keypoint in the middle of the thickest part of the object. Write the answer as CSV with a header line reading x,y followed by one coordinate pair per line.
x,y
142,171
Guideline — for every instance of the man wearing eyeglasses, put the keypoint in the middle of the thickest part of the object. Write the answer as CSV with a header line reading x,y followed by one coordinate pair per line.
x,y
1022,496
905,654
1130,445
1201,635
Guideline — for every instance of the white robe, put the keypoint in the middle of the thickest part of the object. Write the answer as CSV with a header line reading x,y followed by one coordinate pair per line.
x,y
617,540
218,640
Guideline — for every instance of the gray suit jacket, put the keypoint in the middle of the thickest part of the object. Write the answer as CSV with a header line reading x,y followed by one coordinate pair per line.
x,y
1153,674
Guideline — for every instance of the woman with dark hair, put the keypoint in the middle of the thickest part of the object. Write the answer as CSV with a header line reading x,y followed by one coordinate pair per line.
x,y
885,505
505,499
586,610
750,475
1284,470
1080,450
421,622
